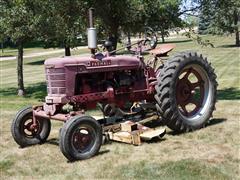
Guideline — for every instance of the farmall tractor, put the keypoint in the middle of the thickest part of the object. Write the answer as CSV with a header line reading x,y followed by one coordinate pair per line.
x,y
179,92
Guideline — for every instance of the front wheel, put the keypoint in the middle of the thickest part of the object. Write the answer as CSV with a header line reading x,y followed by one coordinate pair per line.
x,y
23,131
186,92
80,138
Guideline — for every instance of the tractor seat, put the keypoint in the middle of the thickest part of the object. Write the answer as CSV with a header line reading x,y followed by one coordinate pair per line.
x,y
162,50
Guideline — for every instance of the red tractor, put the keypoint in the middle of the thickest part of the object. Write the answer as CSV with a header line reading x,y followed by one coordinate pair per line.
x,y
180,91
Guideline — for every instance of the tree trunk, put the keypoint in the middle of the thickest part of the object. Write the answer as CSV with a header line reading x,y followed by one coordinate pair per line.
x,y
114,40
67,51
236,19
21,90
113,36
2,46
128,41
162,36
237,38
129,38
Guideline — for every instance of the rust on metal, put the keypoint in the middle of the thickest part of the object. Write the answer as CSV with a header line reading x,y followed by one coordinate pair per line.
x,y
187,90
162,49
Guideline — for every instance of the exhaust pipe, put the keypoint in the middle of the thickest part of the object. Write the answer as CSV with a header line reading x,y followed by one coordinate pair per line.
x,y
92,33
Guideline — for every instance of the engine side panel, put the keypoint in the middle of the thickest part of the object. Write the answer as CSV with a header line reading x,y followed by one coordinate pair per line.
x,y
86,81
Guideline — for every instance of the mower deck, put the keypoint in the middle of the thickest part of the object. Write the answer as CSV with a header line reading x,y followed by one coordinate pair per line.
x,y
133,132
128,128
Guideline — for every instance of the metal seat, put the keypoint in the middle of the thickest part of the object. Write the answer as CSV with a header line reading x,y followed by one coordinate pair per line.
x,y
162,50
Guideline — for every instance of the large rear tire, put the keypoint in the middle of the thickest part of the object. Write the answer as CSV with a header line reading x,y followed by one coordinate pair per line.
x,y
186,92
80,138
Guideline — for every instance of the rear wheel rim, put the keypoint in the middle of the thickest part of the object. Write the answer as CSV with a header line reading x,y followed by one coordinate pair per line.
x,y
193,92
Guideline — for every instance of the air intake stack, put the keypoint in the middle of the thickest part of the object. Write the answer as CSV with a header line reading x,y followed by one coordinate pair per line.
x,y
92,33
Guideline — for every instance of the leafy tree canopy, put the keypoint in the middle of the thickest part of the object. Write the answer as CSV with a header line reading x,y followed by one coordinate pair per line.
x,y
18,20
223,16
61,22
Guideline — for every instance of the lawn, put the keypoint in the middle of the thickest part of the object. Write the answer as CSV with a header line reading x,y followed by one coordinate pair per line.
x,y
209,153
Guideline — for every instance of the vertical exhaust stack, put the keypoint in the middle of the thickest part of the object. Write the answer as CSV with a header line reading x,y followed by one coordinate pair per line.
x,y
92,33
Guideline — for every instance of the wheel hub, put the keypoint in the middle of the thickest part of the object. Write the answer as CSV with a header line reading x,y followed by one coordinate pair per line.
x,y
82,139
186,92
31,129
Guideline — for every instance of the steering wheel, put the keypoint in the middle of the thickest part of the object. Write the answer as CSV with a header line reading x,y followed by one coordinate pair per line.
x,y
150,38
149,42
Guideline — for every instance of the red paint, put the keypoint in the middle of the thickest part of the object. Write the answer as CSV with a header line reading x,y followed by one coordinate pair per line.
x,y
84,81
163,49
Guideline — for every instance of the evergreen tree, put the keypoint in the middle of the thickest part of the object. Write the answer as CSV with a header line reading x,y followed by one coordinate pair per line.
x,y
205,17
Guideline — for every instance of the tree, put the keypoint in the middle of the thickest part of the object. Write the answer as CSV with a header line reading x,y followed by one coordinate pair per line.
x,y
115,15
224,17
131,16
1,34
162,15
18,21
62,22
205,16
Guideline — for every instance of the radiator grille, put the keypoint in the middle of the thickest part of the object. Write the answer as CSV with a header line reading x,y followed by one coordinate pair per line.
x,y
56,81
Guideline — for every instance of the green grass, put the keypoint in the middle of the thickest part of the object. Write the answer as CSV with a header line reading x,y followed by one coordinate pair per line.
x,y
186,169
6,164
209,153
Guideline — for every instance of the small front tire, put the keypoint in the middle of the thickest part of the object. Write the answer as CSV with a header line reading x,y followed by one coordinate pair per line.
x,y
80,138
22,130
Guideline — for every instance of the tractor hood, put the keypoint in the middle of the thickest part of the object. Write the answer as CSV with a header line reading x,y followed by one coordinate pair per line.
x,y
121,61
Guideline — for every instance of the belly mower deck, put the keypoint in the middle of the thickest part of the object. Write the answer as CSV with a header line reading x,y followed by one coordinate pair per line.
x,y
133,131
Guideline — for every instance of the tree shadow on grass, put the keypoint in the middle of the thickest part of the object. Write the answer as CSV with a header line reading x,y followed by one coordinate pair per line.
x,y
2,56
211,122
228,94
228,46
175,41
39,62
37,91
